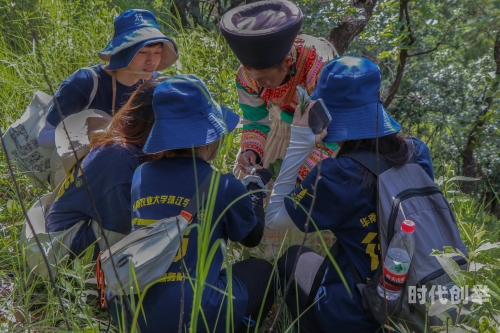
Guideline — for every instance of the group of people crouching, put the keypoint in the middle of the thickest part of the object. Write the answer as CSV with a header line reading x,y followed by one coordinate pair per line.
x,y
157,150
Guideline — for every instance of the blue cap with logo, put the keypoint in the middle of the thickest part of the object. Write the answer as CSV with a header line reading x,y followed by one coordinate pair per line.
x,y
349,87
134,29
186,116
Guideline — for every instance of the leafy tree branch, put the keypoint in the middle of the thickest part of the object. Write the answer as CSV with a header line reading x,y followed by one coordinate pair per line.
x,y
404,20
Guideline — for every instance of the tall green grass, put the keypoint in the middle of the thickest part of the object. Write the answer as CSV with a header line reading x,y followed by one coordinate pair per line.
x,y
70,34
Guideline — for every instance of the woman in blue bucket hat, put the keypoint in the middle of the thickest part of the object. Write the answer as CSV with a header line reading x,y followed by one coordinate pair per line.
x,y
138,49
115,153
187,133
345,197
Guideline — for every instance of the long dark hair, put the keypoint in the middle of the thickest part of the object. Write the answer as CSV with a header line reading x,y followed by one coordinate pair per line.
x,y
392,147
133,122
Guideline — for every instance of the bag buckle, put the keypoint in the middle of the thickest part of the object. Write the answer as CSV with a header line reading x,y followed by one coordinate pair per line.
x,y
101,284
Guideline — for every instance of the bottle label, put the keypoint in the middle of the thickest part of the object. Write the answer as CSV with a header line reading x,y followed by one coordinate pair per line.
x,y
394,281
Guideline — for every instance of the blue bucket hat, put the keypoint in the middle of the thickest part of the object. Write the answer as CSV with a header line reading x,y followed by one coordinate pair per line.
x,y
186,116
349,87
134,29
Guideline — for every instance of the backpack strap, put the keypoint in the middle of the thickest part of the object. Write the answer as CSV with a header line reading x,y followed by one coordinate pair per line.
x,y
368,159
413,151
193,206
96,84
113,102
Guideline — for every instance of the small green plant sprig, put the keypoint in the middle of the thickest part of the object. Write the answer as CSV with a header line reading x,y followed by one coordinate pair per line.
x,y
303,98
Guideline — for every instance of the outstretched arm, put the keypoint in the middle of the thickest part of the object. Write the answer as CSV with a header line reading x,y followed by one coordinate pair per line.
x,y
302,141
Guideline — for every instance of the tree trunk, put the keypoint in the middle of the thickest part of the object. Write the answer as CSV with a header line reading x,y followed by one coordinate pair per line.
x,y
342,35
469,168
469,163
179,9
195,13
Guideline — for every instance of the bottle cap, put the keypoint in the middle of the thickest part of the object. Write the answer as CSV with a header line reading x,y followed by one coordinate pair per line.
x,y
408,226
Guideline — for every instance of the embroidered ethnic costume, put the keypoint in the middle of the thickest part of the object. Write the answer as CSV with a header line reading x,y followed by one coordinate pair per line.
x,y
310,54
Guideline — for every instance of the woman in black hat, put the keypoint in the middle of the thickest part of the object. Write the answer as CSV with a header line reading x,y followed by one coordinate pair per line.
x,y
274,61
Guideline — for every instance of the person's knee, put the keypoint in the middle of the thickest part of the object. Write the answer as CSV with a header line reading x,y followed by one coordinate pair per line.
x,y
265,270
289,254
263,265
286,261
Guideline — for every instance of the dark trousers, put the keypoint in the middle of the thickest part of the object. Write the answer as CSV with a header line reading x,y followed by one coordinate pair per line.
x,y
302,283
255,275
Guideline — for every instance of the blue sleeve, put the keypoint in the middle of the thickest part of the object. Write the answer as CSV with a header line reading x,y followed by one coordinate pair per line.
x,y
300,201
114,209
73,96
114,206
424,157
339,196
239,220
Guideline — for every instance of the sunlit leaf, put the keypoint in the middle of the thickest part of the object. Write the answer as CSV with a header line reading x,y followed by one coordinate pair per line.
x,y
437,307
452,269
487,246
464,179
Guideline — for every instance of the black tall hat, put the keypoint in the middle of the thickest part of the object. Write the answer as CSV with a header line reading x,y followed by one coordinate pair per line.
x,y
262,33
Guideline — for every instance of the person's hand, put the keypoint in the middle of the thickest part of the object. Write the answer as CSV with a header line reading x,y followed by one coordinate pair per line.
x,y
246,160
264,174
302,120
319,137
257,180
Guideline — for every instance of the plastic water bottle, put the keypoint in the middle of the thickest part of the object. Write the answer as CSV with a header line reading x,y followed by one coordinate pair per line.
x,y
397,262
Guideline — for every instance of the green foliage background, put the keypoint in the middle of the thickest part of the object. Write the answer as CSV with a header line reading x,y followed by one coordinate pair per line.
x,y
440,99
